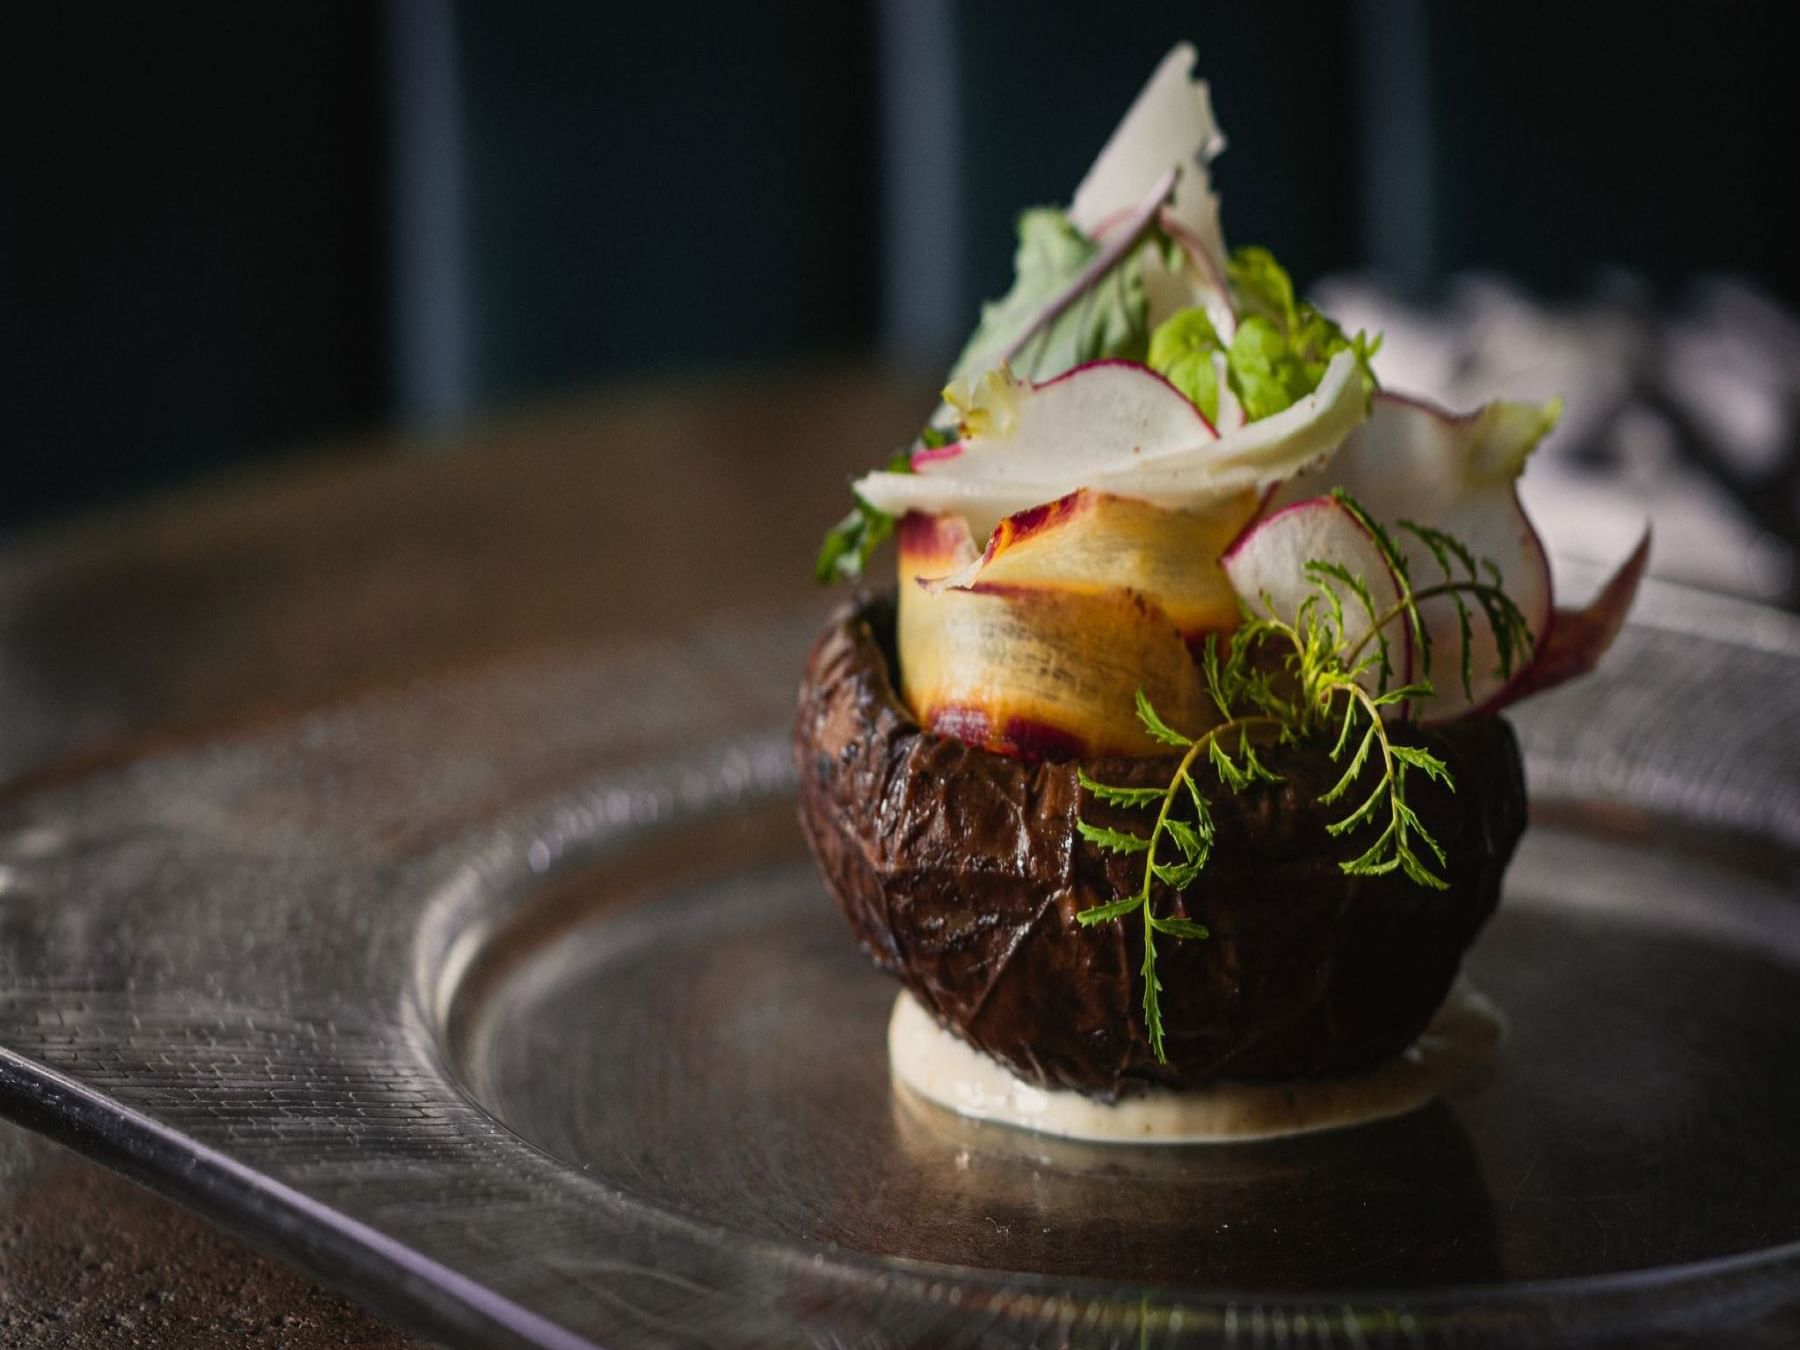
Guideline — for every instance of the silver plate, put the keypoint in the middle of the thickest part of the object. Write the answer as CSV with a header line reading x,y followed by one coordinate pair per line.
x,y
525,1058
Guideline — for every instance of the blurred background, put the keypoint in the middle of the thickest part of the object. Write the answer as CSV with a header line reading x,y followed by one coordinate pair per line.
x,y
234,232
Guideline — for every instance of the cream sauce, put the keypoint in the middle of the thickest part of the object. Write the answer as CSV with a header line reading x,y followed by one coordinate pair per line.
x,y
944,1069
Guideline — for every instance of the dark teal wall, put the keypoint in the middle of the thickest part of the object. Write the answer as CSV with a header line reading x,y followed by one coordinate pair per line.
x,y
190,239
198,201
657,186
1045,80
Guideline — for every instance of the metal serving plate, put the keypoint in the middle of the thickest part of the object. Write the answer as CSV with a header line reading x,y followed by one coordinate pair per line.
x,y
524,1056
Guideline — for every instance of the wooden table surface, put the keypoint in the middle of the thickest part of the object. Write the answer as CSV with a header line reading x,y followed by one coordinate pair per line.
x,y
631,514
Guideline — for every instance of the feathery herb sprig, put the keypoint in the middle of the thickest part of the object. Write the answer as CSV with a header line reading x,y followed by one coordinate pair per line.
x,y
1292,683
1192,839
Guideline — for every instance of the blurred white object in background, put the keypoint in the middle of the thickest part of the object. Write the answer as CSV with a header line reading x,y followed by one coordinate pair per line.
x,y
1689,417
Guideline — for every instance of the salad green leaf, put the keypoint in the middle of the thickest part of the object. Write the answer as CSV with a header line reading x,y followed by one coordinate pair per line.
x,y
1261,286
849,544
1276,357
1266,373
1110,319
1181,351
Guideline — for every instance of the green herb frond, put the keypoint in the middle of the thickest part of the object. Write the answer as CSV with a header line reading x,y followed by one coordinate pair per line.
x,y
1179,845
1393,847
1113,841
1120,796
1301,681
847,547
1158,729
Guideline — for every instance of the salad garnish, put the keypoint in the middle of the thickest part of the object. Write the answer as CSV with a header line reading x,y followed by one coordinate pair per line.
x,y
1155,470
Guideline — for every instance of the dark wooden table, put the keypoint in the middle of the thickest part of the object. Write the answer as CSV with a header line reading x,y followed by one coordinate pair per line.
x,y
634,514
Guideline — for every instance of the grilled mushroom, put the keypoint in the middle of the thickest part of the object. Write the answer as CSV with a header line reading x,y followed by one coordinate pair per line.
x,y
961,872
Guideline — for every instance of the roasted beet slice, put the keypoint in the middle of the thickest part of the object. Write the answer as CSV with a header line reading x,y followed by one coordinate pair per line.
x,y
961,872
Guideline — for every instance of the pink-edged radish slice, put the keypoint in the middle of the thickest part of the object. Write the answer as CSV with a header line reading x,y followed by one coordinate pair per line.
x,y
1042,441
1575,639
1272,568
1100,413
1197,277
1193,476
1089,541
1457,473
1300,437
1170,122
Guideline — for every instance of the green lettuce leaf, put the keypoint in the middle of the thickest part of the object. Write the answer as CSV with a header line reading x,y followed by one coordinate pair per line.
x,y
849,544
1265,371
1261,286
1111,319
1278,354
1181,351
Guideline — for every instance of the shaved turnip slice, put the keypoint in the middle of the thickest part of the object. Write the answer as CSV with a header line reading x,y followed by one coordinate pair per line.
x,y
1458,473
1274,569
1094,541
1576,639
1170,123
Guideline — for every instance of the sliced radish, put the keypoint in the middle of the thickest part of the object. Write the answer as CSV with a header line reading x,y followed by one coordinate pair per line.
x,y
1269,568
921,460
1295,439
1099,413
1198,278
1092,541
1576,639
1193,474
1455,473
